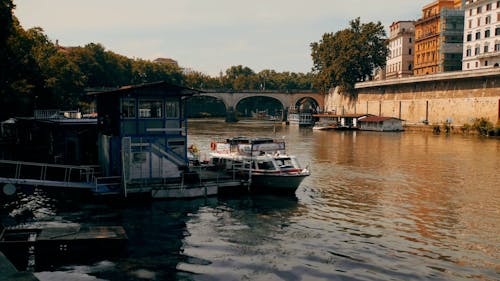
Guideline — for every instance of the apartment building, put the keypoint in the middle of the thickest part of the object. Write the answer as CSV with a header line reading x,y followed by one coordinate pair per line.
x,y
481,47
438,38
401,49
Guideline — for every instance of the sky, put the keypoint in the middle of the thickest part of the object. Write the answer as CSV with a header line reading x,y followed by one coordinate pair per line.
x,y
208,35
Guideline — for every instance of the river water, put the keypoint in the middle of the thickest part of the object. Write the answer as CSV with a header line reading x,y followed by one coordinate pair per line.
x,y
378,206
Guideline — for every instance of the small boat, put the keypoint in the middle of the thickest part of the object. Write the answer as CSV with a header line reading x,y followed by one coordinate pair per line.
x,y
325,121
263,161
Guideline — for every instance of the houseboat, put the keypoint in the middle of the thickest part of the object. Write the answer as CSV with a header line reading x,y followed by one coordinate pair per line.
x,y
381,124
263,161
302,119
142,136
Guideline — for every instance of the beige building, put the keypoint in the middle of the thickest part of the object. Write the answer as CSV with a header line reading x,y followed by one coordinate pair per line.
x,y
401,50
481,34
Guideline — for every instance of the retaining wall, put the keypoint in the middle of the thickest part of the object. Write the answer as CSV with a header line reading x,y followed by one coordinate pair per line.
x,y
456,97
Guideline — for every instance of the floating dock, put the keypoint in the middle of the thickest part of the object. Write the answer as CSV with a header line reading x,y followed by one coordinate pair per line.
x,y
30,248
199,182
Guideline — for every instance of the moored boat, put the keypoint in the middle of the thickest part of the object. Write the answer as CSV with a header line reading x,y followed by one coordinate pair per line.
x,y
262,160
325,121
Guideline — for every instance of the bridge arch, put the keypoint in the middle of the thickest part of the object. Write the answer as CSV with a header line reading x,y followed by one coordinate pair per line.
x,y
205,106
259,103
287,99
307,103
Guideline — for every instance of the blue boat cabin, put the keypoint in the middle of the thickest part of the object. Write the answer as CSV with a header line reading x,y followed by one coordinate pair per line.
x,y
142,131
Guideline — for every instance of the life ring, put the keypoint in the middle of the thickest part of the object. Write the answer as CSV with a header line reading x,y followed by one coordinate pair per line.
x,y
213,145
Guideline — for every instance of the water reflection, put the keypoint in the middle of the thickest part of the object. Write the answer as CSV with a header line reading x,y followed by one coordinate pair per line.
x,y
378,206
407,204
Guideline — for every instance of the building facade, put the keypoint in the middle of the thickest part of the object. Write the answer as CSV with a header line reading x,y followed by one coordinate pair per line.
x,y
481,47
401,50
438,38
459,4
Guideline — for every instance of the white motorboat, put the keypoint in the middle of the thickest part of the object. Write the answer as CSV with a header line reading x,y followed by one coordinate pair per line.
x,y
262,160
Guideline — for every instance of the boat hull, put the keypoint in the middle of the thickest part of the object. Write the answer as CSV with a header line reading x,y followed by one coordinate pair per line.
x,y
278,183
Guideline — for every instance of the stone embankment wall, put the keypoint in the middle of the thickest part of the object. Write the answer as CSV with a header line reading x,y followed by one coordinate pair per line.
x,y
455,97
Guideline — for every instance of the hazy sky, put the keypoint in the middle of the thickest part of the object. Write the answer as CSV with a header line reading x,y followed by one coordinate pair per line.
x,y
208,35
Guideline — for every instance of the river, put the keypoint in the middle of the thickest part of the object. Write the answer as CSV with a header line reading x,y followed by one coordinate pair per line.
x,y
377,206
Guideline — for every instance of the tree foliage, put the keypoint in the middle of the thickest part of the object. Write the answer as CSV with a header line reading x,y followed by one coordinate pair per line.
x,y
349,55
243,78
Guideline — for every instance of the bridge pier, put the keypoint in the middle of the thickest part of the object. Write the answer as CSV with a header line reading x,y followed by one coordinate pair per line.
x,y
231,116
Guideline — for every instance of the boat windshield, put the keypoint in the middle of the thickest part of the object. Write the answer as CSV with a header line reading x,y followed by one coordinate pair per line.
x,y
285,163
265,165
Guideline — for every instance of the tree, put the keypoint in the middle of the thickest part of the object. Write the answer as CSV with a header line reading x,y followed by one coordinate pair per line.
x,y
348,56
241,78
195,79
21,78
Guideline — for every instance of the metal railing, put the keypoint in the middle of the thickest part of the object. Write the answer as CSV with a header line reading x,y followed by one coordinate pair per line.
x,y
44,173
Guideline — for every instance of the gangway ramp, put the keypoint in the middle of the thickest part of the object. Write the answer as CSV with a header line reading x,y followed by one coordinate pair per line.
x,y
48,175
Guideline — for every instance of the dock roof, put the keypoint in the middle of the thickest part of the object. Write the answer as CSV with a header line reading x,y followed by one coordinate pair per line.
x,y
160,88
376,119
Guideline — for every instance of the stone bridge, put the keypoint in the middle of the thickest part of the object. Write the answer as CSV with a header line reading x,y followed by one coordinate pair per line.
x,y
287,99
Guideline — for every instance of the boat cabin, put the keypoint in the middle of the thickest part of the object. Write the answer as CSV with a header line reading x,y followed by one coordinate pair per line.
x,y
142,131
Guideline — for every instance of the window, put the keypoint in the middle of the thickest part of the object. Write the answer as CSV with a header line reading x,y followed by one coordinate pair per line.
x,y
469,52
487,20
470,24
469,37
478,35
478,21
487,33
485,48
172,108
468,65
409,51
498,4
485,63
150,109
470,12
497,31
479,10
409,40
488,7
497,47
477,51
128,108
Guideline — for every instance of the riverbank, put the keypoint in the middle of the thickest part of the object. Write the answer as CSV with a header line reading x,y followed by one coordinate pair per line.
x,y
450,129
452,97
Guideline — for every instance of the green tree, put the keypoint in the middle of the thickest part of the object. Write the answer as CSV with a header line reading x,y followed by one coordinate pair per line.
x,y
144,71
6,21
195,79
348,56
240,78
21,77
